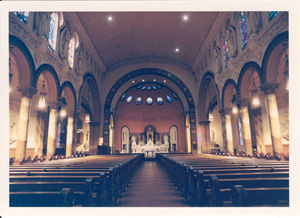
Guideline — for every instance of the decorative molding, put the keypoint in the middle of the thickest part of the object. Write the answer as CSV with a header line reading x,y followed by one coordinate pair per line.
x,y
245,56
269,87
204,123
52,58
27,91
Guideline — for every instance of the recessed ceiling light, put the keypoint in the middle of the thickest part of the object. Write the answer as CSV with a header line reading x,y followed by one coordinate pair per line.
x,y
165,81
185,17
143,80
132,81
109,18
154,80
176,49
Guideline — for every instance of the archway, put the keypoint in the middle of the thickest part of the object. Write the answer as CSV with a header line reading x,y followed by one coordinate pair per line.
x,y
150,71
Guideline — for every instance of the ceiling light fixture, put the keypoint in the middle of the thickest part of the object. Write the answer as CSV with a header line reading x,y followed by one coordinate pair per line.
x,y
154,80
176,49
185,17
109,18
143,80
165,81
132,81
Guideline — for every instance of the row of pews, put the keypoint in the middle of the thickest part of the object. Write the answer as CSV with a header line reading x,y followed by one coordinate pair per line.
x,y
80,182
216,181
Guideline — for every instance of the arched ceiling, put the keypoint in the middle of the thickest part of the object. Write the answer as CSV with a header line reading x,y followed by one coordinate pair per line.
x,y
136,35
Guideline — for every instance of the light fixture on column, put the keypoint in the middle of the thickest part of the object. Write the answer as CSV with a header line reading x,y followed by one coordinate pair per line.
x,y
63,110
10,72
42,100
286,69
87,113
235,109
254,92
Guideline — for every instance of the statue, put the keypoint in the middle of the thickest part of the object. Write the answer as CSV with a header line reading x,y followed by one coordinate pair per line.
x,y
133,144
42,24
231,41
253,21
217,57
166,141
64,43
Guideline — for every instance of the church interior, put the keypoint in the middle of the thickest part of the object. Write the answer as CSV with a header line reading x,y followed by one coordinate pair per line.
x,y
149,109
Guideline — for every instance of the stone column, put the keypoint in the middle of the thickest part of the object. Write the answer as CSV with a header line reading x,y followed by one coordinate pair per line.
x,y
27,93
69,141
38,148
226,112
52,128
204,136
94,137
75,128
259,132
223,123
246,124
269,89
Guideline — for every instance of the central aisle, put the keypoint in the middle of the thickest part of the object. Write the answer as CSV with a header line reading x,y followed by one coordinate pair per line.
x,y
151,187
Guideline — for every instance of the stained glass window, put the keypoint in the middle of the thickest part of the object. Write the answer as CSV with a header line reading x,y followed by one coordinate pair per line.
x,y
154,87
240,131
273,14
158,86
138,100
175,96
53,31
140,86
71,52
22,15
226,53
169,99
144,87
160,100
243,30
123,96
149,101
58,134
129,99
149,88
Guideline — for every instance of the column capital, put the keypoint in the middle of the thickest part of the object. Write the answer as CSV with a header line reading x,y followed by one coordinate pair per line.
x,y
27,91
55,104
269,87
242,101
94,124
41,114
224,111
204,122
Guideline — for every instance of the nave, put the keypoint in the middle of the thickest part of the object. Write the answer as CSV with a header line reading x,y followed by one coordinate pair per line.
x,y
170,180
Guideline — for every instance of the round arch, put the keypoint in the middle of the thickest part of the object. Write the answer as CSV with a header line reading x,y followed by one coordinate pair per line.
x,y
147,71
92,83
245,74
226,95
23,56
209,76
70,94
267,73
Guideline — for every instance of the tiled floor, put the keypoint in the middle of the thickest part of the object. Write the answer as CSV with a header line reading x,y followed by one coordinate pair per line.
x,y
151,187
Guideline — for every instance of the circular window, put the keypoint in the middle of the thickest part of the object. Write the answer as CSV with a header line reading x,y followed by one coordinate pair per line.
x,y
129,99
123,96
160,100
149,88
175,96
149,101
169,99
138,100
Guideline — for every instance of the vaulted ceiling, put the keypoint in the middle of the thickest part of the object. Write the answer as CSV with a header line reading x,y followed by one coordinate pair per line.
x,y
137,35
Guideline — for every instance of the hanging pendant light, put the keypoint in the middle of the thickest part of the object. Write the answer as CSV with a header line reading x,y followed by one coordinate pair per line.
x,y
254,92
286,70
87,113
210,115
63,109
235,109
42,100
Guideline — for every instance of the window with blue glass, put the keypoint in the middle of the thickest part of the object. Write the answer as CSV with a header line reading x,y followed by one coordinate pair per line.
x,y
149,88
160,100
22,15
129,99
169,99
175,96
240,131
158,86
140,86
243,29
226,52
154,88
273,14
71,52
149,101
123,96
138,100
144,87
53,31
